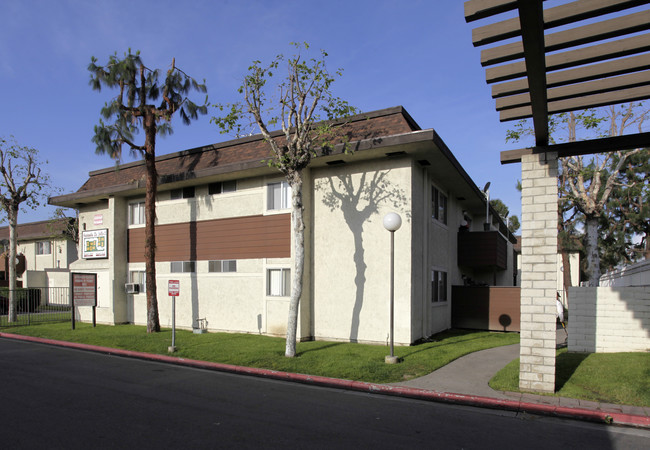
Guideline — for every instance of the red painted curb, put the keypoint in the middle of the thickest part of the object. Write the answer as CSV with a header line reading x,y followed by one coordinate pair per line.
x,y
401,391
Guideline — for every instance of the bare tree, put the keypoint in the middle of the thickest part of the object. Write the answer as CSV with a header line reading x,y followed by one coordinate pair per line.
x,y
22,183
586,184
133,108
304,100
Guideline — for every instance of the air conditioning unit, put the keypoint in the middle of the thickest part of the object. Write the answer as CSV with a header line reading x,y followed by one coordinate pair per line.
x,y
132,288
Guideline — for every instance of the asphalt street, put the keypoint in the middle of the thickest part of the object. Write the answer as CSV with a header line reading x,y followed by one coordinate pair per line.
x,y
62,398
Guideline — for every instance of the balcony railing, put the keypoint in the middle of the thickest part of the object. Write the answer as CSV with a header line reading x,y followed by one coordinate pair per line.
x,y
482,249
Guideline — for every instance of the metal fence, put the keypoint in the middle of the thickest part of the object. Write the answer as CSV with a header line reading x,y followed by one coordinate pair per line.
x,y
36,305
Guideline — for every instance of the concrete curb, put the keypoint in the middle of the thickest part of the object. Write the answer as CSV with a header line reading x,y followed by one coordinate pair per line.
x,y
611,417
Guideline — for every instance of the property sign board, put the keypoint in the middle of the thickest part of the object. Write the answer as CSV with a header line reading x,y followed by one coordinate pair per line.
x,y
94,244
84,289
174,288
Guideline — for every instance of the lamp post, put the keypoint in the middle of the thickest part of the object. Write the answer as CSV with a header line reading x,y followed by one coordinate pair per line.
x,y
486,192
392,222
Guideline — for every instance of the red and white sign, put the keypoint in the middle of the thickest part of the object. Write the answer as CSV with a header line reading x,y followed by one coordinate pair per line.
x,y
174,287
98,219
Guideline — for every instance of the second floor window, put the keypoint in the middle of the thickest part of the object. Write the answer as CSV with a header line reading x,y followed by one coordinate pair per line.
x,y
221,187
187,192
136,213
278,195
438,205
43,248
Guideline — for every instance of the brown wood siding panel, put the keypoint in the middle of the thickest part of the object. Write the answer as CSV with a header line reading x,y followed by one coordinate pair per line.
x,y
485,308
235,238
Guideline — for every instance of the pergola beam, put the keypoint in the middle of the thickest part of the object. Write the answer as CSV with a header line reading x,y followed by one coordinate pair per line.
x,y
577,75
480,9
553,17
530,14
578,90
573,58
603,145
573,104
586,34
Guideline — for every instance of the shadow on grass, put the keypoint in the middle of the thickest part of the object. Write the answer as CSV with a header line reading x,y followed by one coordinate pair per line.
x,y
436,339
565,366
315,349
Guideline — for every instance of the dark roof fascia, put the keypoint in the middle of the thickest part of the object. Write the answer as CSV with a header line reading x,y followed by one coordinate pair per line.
x,y
68,200
259,137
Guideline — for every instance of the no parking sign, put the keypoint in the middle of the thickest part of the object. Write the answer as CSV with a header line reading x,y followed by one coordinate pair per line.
x,y
174,288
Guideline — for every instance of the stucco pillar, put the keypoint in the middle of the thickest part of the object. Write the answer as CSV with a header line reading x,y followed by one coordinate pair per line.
x,y
539,214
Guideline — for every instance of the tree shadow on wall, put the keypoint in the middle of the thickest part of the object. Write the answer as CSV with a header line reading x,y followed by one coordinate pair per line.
x,y
359,202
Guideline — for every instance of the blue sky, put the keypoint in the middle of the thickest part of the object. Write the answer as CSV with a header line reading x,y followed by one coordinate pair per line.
x,y
413,53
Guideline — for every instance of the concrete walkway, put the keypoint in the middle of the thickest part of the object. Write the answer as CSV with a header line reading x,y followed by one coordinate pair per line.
x,y
470,375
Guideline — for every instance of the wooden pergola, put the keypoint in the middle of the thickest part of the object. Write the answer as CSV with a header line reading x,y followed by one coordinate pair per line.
x,y
600,56
600,63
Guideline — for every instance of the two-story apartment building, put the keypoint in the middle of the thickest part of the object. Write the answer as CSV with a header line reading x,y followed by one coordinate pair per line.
x,y
44,250
223,230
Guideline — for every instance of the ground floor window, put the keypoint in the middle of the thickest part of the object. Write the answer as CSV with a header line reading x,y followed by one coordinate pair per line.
x,y
226,265
438,286
278,283
139,277
182,266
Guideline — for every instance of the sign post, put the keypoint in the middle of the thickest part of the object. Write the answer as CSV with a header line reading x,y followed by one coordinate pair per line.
x,y
174,290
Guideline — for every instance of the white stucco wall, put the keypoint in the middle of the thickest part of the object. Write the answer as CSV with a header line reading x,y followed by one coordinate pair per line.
x,y
351,251
609,319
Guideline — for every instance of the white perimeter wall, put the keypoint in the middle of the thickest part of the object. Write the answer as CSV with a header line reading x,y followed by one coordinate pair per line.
x,y
609,319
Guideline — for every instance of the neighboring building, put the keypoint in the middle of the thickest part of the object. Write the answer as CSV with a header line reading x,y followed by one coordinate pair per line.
x,y
223,229
45,251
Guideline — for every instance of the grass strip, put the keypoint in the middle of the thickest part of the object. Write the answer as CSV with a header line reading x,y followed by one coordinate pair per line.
x,y
359,362
621,378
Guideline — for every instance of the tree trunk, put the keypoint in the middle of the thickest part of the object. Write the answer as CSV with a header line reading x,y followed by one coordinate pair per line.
x,y
299,263
153,322
13,223
591,248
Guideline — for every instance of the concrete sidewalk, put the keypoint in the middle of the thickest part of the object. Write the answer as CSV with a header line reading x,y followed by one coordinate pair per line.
x,y
463,382
471,374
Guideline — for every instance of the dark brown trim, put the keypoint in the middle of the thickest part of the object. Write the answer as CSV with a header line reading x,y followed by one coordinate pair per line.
x,y
610,144
553,17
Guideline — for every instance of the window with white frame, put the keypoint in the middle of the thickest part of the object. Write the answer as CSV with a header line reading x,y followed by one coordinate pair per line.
x,y
136,213
187,192
222,187
226,265
139,277
278,195
278,282
182,266
438,286
438,205
44,248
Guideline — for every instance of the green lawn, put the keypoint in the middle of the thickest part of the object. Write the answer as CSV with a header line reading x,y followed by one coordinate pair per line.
x,y
333,359
622,378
